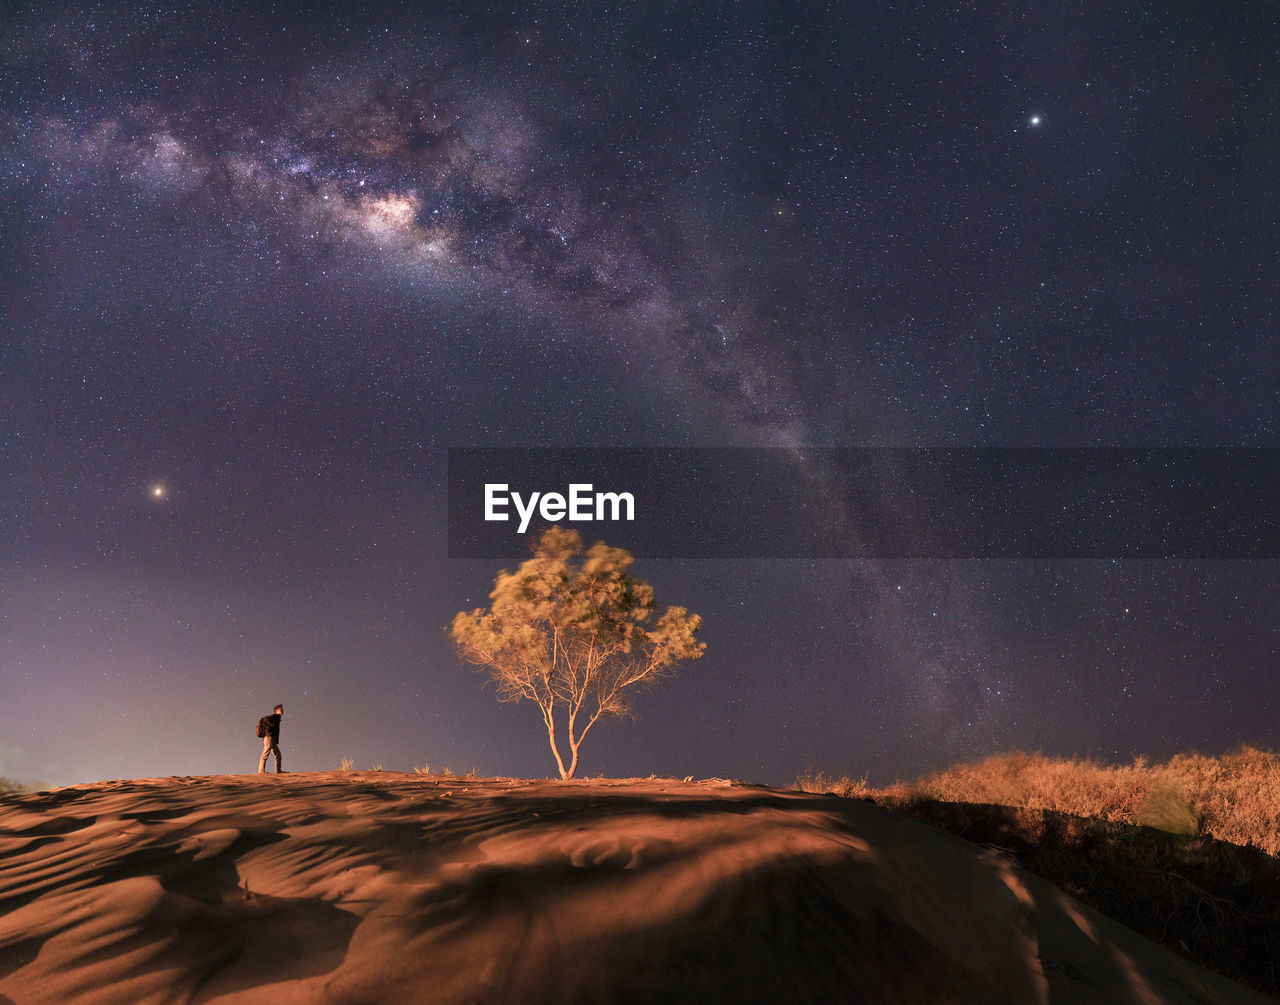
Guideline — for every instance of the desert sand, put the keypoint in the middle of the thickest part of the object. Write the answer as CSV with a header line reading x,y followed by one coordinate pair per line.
x,y
385,887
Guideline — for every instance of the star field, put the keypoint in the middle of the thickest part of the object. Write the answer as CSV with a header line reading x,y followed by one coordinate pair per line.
x,y
261,269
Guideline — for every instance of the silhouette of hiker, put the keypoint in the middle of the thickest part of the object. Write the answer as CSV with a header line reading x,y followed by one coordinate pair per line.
x,y
271,742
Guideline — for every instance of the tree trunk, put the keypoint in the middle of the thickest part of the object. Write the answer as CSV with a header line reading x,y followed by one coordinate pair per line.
x,y
551,739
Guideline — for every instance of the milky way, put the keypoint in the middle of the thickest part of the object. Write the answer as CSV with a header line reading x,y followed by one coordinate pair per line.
x,y
440,177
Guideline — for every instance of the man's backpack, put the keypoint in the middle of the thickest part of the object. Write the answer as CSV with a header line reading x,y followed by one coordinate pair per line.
x,y
264,727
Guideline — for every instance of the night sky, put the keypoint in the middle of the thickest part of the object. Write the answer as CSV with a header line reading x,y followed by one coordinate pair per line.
x,y
260,270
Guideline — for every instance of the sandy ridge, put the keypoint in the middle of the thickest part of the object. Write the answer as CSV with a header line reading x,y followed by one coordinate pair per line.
x,y
369,887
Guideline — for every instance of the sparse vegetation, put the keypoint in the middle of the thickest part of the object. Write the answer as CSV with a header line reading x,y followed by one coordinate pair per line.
x,y
422,769
815,780
1185,851
1233,798
378,766
347,764
10,786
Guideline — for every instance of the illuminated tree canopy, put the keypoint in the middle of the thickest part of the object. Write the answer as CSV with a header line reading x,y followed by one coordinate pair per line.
x,y
575,633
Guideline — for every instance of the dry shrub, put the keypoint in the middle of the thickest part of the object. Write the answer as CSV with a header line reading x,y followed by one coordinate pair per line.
x,y
1211,901
1237,794
1200,874
1233,798
1031,781
815,780
12,787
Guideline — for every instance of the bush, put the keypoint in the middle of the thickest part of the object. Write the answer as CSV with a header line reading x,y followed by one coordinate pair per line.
x,y
815,780
1184,851
1233,798
13,787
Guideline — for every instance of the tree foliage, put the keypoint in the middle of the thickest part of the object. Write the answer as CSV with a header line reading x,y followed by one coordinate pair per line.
x,y
576,634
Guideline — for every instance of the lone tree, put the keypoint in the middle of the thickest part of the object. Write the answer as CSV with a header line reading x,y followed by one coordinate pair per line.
x,y
572,636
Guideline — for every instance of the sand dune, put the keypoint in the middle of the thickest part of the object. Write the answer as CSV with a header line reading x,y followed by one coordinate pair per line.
x,y
362,887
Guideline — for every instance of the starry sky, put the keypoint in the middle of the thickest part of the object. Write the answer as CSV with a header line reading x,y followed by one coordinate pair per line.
x,y
260,270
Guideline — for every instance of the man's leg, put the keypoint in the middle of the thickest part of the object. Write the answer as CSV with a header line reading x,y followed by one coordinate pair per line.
x,y
266,749
276,747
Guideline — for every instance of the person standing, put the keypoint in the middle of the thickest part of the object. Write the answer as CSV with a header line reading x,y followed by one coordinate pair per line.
x,y
271,739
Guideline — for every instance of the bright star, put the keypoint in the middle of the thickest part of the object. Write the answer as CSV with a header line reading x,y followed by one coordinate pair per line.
x,y
158,491
1035,120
